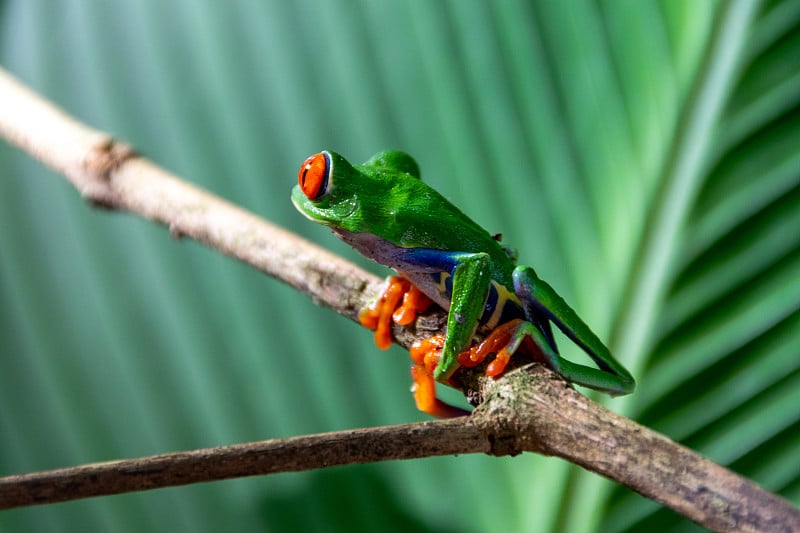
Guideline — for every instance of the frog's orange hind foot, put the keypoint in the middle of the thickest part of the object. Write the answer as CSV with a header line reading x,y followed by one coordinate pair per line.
x,y
425,356
502,341
424,390
400,302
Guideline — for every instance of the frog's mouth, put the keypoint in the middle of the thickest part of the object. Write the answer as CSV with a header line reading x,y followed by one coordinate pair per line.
x,y
330,215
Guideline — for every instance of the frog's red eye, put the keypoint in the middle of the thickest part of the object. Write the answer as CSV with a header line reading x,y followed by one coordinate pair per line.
x,y
314,175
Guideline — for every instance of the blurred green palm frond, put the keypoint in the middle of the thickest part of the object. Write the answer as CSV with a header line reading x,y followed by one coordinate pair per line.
x,y
642,156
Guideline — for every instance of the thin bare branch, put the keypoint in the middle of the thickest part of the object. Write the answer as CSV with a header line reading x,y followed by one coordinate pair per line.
x,y
530,409
444,437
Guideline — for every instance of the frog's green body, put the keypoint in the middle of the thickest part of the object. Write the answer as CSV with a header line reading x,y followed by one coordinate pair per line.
x,y
386,212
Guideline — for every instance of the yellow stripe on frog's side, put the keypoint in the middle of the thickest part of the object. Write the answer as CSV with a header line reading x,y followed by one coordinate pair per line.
x,y
504,297
501,305
442,285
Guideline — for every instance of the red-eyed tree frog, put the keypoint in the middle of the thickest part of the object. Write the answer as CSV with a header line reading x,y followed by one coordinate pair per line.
x,y
386,212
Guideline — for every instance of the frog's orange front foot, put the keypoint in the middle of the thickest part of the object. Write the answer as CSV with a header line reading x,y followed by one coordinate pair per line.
x,y
425,355
502,341
400,303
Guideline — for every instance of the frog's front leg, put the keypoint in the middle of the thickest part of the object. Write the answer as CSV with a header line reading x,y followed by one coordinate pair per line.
x,y
437,358
471,281
387,308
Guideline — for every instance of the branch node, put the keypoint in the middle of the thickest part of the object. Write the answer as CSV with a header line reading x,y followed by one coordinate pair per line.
x,y
175,231
103,158
501,443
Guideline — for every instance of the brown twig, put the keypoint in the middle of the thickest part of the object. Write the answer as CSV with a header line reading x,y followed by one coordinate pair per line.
x,y
240,460
530,409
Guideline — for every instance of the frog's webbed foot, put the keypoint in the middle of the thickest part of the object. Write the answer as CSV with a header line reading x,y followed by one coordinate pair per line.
x,y
502,341
400,302
425,356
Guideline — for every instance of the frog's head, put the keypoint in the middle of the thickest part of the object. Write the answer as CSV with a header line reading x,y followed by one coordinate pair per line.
x,y
331,192
377,198
327,189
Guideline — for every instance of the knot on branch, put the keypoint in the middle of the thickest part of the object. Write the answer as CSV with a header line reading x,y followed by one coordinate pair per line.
x,y
503,443
99,162
518,411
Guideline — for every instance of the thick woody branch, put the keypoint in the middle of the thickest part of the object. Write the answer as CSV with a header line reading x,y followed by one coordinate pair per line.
x,y
529,409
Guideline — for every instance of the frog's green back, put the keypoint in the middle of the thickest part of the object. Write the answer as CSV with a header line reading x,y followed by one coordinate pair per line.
x,y
409,213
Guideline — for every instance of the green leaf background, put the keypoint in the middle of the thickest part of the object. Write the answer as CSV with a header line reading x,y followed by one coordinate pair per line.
x,y
643,156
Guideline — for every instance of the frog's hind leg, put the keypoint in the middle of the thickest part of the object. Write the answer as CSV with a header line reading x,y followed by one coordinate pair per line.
x,y
543,304
507,338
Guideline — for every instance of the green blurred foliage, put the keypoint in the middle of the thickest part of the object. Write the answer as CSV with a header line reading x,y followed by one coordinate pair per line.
x,y
642,156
